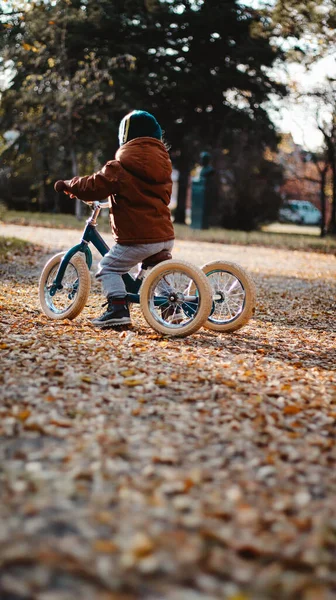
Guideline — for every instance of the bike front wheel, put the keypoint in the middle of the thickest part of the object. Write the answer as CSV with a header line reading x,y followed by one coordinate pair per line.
x,y
233,295
166,302
70,300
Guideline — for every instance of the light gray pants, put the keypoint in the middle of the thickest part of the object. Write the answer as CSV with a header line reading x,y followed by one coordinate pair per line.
x,y
120,259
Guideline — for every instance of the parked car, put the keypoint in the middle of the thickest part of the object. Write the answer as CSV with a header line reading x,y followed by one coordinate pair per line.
x,y
300,212
288,215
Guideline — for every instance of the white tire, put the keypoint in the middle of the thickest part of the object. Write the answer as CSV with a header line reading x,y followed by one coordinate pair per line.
x,y
233,294
182,313
68,302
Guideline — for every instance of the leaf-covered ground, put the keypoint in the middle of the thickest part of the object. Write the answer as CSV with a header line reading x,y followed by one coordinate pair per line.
x,y
140,467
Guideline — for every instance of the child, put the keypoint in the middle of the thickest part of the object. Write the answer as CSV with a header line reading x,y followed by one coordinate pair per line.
x,y
139,185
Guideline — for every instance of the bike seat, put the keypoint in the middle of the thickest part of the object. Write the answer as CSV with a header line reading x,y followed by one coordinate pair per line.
x,y
155,259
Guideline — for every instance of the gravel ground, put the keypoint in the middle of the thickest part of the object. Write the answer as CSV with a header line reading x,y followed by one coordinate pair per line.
x,y
135,467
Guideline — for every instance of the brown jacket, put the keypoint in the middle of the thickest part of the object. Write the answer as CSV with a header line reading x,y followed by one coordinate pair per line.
x,y
139,185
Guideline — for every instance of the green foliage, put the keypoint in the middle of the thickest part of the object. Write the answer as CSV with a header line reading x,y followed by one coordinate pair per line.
x,y
12,246
79,65
306,26
210,76
63,94
250,194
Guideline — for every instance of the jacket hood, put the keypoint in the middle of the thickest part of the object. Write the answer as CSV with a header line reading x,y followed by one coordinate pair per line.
x,y
147,159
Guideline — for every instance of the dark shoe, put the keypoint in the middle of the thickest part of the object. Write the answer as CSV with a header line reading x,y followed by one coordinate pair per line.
x,y
117,313
172,314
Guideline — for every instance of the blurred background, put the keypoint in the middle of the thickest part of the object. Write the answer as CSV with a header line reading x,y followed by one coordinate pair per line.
x,y
250,83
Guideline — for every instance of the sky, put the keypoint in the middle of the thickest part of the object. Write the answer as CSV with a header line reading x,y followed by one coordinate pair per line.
x,y
300,120
290,117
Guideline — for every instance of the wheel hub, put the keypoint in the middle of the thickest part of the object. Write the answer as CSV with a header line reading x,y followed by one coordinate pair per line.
x,y
219,296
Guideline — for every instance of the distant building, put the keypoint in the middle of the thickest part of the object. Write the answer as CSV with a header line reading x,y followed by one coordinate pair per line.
x,y
301,173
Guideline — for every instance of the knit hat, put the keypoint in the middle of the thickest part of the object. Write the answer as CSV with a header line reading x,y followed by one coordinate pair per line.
x,y
138,123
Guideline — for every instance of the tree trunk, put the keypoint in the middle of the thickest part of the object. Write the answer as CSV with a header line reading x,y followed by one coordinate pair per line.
x,y
41,196
48,199
74,165
183,166
331,153
183,182
332,224
323,201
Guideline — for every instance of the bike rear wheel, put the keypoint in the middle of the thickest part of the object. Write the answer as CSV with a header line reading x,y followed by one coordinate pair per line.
x,y
166,302
69,301
233,295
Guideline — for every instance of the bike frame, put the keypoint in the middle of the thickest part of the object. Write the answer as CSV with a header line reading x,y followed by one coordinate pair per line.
x,y
91,235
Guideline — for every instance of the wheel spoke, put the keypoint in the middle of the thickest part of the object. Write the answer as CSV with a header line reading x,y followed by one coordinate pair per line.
x,y
64,297
228,296
179,309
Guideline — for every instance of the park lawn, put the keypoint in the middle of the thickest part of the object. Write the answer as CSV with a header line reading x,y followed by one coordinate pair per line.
x,y
289,241
12,246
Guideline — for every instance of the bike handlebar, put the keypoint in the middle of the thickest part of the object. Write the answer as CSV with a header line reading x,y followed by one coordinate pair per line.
x,y
97,203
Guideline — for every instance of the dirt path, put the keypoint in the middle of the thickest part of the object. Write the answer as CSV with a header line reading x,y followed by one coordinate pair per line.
x,y
257,260
138,467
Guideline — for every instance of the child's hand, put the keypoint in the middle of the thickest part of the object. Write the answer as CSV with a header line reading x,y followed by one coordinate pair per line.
x,y
60,186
